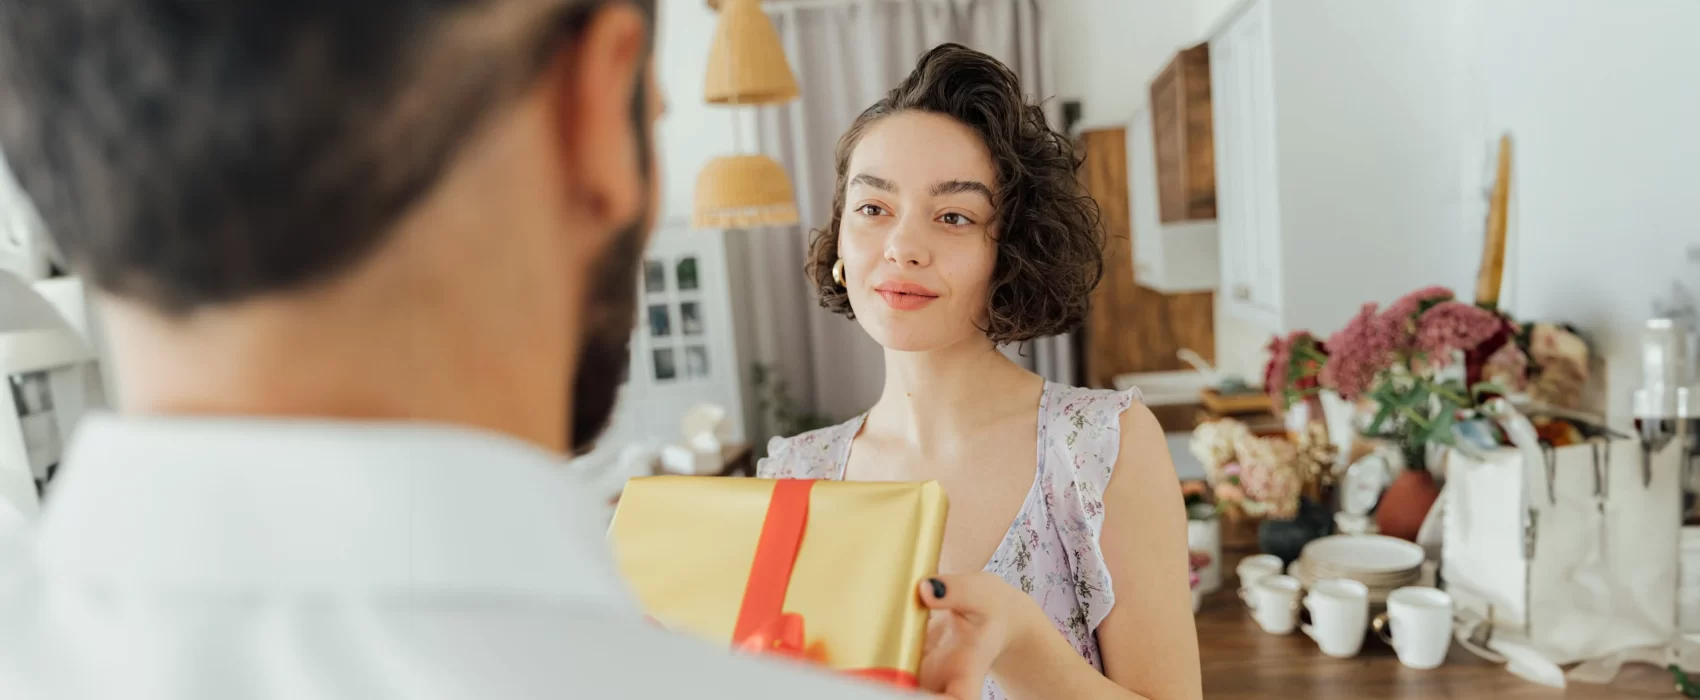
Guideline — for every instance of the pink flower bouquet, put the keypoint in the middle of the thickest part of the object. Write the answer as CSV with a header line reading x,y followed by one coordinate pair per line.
x,y
1425,362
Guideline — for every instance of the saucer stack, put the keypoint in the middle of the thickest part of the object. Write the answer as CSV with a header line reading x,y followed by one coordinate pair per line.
x,y
1381,563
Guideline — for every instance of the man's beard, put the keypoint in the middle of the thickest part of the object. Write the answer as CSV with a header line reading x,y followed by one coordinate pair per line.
x,y
605,356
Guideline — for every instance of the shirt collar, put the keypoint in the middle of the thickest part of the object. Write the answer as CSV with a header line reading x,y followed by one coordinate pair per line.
x,y
305,505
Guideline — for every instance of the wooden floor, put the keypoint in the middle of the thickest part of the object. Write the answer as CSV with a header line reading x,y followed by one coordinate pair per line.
x,y
1242,661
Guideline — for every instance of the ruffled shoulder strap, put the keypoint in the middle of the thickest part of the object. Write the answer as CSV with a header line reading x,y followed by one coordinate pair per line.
x,y
1083,440
816,454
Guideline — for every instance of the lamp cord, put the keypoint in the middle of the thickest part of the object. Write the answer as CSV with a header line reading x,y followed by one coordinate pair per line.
x,y
732,57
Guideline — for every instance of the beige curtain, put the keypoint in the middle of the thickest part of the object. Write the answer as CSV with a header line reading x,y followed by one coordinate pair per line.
x,y
847,54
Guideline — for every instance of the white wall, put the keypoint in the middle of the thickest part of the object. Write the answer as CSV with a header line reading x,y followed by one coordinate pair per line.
x,y
1207,14
1603,100
1367,126
1107,51
691,132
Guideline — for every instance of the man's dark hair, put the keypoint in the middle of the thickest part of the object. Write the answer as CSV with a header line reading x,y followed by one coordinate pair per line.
x,y
191,153
1050,246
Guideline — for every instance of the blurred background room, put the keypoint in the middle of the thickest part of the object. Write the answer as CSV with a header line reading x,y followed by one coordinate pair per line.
x,y
1512,430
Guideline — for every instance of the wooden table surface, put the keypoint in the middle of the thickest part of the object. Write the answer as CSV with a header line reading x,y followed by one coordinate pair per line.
x,y
1240,660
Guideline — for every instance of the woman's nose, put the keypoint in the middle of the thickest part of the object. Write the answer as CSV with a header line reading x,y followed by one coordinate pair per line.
x,y
907,245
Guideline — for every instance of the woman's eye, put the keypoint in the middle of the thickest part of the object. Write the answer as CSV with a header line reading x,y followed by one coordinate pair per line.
x,y
955,219
870,210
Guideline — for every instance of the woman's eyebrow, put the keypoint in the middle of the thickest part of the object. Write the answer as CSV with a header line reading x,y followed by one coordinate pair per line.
x,y
940,189
878,183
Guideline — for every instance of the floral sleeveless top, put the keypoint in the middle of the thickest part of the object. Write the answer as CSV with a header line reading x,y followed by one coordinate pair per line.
x,y
1052,549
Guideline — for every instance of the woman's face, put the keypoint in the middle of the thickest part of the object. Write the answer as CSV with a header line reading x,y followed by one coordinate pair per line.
x,y
916,235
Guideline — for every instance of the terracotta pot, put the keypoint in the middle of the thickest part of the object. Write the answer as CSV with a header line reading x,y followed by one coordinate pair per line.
x,y
1406,503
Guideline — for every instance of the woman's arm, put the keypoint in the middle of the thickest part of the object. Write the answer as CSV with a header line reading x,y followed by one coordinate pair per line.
x,y
1148,641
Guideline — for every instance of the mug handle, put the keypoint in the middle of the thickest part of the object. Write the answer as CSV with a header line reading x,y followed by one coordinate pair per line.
x,y
1382,629
1245,599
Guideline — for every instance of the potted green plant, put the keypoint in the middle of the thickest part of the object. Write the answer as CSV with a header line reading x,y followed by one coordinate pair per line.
x,y
1421,366
773,400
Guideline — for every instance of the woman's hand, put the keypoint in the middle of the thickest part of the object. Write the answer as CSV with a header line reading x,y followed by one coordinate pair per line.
x,y
977,618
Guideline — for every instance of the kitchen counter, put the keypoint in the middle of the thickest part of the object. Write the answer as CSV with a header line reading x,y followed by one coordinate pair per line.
x,y
1241,661
1180,451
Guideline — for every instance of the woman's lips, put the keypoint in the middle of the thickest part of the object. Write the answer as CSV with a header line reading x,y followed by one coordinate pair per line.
x,y
906,302
904,296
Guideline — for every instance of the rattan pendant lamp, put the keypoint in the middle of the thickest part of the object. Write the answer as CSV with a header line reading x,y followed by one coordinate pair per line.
x,y
746,66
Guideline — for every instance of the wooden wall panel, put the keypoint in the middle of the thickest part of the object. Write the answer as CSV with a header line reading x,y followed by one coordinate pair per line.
x,y
1132,328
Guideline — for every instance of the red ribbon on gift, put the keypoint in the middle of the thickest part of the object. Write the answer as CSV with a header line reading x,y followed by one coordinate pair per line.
x,y
763,626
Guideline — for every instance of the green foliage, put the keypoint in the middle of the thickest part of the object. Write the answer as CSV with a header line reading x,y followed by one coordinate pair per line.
x,y
1305,359
773,400
1414,410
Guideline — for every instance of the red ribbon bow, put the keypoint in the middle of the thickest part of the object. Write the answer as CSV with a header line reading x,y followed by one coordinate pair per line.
x,y
783,636
763,626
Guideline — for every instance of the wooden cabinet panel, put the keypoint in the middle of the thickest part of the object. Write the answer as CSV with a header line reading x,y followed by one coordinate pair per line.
x,y
1182,135
1132,328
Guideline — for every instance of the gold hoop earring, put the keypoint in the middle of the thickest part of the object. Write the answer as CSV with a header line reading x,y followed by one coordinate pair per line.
x,y
838,272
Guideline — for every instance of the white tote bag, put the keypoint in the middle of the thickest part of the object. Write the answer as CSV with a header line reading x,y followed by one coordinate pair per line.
x,y
1573,549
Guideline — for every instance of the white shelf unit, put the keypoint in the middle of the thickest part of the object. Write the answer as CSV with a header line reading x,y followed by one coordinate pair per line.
x,y
683,349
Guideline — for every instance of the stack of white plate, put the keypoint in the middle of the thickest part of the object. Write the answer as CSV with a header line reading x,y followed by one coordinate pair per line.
x,y
1381,563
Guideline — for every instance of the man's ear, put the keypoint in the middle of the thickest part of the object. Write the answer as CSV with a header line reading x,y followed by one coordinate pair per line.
x,y
594,82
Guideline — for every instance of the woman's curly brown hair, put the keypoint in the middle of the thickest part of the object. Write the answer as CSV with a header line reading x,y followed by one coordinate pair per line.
x,y
1050,248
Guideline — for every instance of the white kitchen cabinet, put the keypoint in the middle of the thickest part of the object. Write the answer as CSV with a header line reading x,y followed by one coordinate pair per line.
x,y
1246,204
1174,257
1336,162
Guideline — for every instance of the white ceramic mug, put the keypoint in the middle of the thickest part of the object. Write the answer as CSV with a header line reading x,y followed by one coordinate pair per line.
x,y
1274,603
1254,568
1339,616
1206,536
1418,624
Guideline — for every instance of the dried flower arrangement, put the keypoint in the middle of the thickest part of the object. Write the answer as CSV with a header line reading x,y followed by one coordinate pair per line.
x,y
1259,476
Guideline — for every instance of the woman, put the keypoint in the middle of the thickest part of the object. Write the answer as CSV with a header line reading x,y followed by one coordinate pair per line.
x,y
958,226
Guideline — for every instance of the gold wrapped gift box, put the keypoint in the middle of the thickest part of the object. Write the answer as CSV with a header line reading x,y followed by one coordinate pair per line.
x,y
824,570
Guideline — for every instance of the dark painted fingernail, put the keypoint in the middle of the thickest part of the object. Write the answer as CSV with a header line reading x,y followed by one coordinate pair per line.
x,y
938,588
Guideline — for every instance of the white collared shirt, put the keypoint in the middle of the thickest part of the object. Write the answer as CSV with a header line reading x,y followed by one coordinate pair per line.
x,y
229,559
